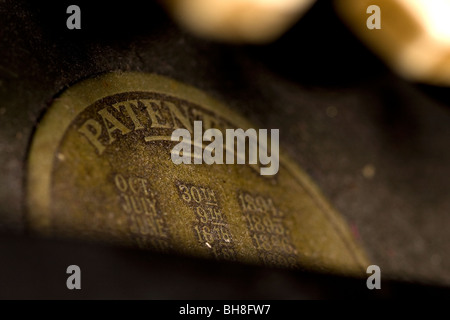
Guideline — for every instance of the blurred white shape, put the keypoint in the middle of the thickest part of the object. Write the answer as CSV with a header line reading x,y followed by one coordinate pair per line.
x,y
433,15
414,38
426,57
248,21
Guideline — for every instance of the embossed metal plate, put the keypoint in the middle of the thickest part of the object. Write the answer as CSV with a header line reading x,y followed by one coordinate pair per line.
x,y
100,168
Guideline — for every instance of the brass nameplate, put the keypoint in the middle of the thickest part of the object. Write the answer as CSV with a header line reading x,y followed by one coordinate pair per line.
x,y
100,168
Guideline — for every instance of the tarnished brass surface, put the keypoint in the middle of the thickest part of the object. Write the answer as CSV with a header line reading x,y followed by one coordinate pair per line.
x,y
100,168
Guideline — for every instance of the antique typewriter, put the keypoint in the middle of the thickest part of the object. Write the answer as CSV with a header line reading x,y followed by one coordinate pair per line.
x,y
91,95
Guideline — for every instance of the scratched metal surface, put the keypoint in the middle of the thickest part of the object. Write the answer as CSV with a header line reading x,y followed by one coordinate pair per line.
x,y
338,107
